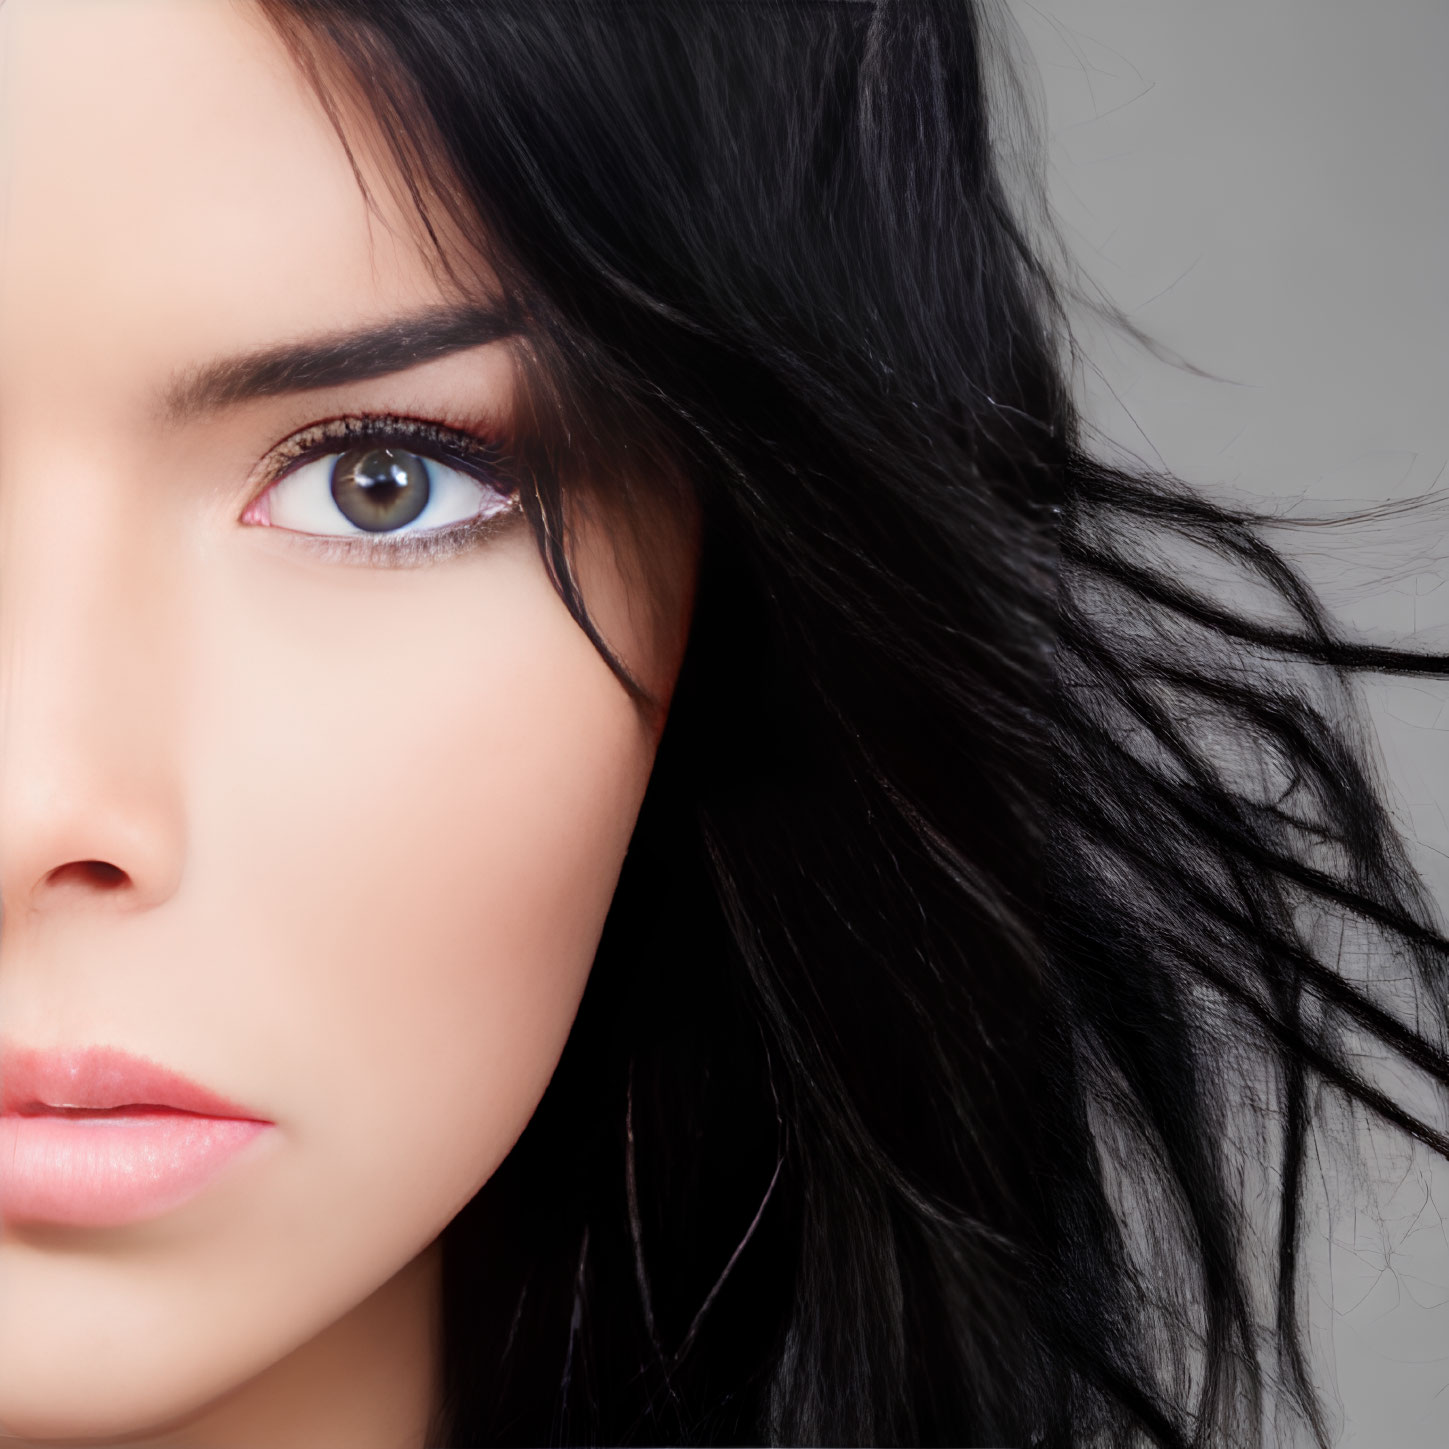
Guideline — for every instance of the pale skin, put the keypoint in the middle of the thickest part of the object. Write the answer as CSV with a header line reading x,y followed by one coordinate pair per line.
x,y
357,824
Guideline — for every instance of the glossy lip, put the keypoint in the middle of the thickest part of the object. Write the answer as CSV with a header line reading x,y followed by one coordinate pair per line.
x,y
98,1137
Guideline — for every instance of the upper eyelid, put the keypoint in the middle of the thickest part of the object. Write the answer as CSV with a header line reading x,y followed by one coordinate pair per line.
x,y
451,445
478,452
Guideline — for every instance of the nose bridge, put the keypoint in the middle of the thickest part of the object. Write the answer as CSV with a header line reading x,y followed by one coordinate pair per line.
x,y
87,685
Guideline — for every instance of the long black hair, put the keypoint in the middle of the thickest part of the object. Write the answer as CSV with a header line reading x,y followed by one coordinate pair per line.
x,y
977,957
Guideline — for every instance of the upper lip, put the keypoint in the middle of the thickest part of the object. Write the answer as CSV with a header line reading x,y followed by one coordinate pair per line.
x,y
99,1079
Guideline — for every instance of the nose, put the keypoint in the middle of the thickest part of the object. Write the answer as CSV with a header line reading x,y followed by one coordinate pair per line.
x,y
88,801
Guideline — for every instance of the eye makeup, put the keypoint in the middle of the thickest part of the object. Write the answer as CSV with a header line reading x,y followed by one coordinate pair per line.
x,y
386,451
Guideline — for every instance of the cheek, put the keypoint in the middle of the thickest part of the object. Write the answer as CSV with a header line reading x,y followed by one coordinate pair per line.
x,y
412,805
407,797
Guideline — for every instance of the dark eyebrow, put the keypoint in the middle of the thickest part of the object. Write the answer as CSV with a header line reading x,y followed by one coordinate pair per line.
x,y
342,358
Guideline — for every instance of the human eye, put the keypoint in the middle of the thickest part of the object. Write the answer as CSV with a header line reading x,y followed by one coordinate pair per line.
x,y
386,490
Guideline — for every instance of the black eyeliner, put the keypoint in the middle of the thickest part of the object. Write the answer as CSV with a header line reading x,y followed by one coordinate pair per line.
x,y
463,449
458,447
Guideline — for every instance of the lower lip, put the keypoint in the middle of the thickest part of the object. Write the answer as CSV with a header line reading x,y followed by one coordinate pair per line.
x,y
101,1170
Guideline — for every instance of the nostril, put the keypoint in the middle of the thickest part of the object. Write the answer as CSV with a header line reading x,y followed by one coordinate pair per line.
x,y
98,874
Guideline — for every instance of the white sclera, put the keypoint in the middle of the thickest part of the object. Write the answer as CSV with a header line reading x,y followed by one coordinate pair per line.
x,y
303,502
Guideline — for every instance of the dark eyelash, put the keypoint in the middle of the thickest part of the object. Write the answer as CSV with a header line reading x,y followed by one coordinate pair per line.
x,y
480,457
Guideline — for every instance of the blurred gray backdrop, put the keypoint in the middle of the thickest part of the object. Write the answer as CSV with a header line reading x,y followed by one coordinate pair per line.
x,y
1263,185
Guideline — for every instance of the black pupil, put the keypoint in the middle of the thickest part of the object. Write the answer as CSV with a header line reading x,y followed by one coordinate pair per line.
x,y
380,489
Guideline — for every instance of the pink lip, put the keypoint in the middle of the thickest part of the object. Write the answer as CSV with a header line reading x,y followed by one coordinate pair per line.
x,y
100,1138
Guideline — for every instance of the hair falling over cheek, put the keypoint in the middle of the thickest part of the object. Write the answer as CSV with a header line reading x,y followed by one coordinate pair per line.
x,y
950,931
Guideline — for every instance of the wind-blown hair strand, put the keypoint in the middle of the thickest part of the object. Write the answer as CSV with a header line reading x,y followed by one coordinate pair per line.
x,y
972,939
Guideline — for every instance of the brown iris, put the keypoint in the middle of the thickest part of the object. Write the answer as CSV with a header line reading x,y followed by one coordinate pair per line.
x,y
380,489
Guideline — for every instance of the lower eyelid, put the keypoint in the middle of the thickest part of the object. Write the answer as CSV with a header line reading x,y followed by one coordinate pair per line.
x,y
409,550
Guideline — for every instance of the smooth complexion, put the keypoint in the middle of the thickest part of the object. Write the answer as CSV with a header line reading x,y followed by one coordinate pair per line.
x,y
327,830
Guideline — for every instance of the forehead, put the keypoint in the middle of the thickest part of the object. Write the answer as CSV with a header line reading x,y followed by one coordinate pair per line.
x,y
172,188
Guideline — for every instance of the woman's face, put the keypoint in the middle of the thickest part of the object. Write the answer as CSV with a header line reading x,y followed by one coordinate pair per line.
x,y
311,792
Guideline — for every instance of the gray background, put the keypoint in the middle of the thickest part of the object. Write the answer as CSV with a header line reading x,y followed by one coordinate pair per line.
x,y
1263,185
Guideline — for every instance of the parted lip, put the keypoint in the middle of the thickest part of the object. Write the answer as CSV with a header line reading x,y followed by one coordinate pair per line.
x,y
54,1082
